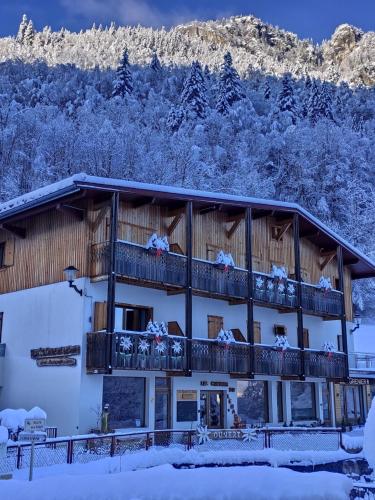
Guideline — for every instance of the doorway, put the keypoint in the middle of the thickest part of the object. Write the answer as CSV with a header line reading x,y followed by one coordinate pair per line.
x,y
212,409
162,410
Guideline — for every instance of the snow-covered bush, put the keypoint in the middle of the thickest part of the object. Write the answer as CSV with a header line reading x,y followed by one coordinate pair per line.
x,y
279,273
328,347
4,434
157,328
225,259
281,342
158,243
369,437
225,336
324,284
14,420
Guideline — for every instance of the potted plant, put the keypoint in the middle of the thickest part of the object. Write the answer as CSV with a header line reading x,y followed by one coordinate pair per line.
x,y
224,261
157,245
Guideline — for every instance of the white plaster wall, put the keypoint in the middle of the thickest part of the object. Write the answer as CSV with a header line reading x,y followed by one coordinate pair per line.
x,y
46,316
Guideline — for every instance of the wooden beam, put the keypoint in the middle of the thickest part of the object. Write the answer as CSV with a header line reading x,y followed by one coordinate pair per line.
x,y
172,226
297,268
235,218
283,230
260,215
236,302
189,283
234,227
211,208
349,262
77,212
19,232
99,219
173,212
176,292
309,233
329,256
141,202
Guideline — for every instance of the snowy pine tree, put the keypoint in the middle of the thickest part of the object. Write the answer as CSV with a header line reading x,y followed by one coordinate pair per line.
x,y
155,63
286,100
29,34
230,89
319,104
22,28
193,96
123,83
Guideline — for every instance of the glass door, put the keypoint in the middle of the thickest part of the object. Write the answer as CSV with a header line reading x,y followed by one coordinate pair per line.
x,y
162,403
212,409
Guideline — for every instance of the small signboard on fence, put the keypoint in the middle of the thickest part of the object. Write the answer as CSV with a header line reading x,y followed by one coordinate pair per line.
x,y
35,425
34,437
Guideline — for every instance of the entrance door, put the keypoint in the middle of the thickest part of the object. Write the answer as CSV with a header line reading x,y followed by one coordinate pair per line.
x,y
162,410
212,409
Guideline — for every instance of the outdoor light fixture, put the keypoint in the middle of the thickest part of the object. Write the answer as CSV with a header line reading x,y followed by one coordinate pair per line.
x,y
70,274
357,322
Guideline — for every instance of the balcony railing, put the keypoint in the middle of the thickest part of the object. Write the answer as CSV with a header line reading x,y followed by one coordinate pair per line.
x,y
134,261
142,351
270,360
213,356
362,361
325,364
266,289
316,300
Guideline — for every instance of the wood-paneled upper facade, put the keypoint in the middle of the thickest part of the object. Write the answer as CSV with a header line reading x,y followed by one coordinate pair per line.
x,y
69,223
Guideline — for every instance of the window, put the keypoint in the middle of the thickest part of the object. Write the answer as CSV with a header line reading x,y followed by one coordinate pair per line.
x,y
215,324
279,329
2,254
252,401
132,318
126,399
303,400
1,325
306,338
257,333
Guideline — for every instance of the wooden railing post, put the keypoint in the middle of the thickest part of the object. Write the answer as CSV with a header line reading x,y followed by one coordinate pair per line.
x,y
189,284
111,292
250,298
340,263
297,266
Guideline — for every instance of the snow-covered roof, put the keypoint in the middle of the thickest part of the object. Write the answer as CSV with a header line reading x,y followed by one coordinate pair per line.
x,y
82,181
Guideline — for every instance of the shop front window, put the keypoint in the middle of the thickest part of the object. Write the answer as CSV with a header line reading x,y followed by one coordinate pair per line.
x,y
126,399
352,404
252,401
303,400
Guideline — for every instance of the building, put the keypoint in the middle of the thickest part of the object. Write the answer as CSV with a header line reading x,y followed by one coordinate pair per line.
x,y
72,347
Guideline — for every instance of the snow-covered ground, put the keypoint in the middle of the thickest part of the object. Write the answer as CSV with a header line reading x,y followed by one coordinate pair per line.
x,y
165,482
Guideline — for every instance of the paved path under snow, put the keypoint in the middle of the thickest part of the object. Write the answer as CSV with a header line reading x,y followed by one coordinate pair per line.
x,y
166,483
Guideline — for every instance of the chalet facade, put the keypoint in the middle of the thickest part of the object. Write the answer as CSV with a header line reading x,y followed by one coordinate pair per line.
x,y
178,333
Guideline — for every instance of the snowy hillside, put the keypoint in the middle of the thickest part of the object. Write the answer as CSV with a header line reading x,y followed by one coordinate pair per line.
x,y
241,126
348,56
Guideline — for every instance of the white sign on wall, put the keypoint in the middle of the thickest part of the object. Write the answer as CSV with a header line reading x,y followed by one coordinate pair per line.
x,y
35,424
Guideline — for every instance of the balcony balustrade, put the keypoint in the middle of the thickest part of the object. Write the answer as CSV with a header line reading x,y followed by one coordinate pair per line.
x,y
135,262
144,351
362,361
318,301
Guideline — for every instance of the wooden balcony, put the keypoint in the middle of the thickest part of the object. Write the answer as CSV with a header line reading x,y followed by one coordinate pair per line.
x,y
142,351
316,301
168,270
325,364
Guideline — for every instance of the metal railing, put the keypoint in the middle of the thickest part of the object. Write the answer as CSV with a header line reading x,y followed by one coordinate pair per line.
x,y
145,351
362,361
210,277
324,302
85,449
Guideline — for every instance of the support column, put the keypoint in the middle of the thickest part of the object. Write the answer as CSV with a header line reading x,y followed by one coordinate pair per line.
x,y
189,284
250,300
111,291
332,404
297,269
287,402
340,263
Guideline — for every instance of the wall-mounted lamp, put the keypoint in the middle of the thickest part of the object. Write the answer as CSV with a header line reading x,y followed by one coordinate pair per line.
x,y
70,274
357,322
